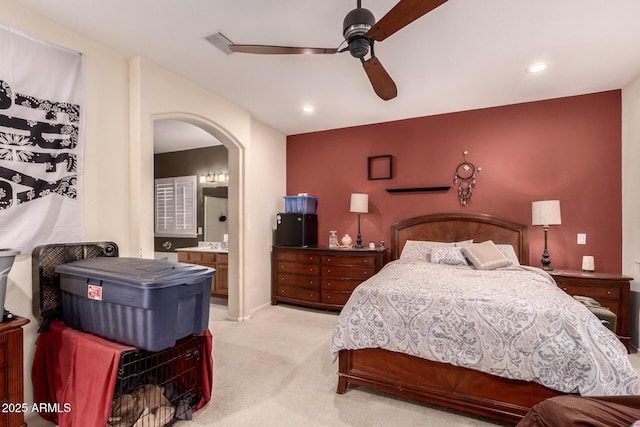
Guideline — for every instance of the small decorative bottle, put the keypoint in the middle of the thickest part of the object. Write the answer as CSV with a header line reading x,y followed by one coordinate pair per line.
x,y
333,239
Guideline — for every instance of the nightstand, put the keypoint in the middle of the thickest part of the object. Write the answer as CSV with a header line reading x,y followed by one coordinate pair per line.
x,y
11,372
609,289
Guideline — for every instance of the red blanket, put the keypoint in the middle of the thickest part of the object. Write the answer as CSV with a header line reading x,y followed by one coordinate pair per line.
x,y
74,374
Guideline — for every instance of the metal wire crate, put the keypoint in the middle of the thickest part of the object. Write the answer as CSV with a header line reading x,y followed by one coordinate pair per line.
x,y
47,299
155,389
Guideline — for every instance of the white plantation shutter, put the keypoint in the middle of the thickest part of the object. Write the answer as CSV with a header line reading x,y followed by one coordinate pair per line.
x,y
176,206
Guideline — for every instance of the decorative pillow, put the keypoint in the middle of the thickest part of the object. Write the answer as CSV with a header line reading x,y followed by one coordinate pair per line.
x,y
509,252
463,243
485,256
421,249
448,255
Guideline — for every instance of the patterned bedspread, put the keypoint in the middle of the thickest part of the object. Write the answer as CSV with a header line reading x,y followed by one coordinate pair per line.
x,y
512,322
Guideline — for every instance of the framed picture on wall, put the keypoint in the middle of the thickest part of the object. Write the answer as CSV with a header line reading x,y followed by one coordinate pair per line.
x,y
380,167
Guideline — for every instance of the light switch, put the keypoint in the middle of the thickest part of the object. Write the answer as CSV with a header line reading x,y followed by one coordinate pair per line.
x,y
582,239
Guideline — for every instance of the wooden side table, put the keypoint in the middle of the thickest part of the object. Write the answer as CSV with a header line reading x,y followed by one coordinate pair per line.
x,y
609,289
11,373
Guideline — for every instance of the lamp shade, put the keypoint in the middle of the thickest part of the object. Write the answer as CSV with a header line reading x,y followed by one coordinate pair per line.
x,y
546,212
359,203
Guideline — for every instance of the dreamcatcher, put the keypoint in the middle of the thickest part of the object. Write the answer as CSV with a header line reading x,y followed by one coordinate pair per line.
x,y
465,177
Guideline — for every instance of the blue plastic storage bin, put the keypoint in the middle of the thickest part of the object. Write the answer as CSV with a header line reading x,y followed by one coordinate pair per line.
x,y
145,303
300,204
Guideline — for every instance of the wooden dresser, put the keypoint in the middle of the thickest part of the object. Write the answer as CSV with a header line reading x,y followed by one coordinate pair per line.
x,y
321,277
217,260
610,290
11,373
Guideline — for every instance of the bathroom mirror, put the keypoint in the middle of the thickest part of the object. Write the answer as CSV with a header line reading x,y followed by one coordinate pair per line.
x,y
216,211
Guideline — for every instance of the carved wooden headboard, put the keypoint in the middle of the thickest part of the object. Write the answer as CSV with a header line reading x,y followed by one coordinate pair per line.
x,y
451,227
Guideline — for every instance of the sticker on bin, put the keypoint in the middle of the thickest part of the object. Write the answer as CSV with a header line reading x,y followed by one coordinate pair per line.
x,y
94,292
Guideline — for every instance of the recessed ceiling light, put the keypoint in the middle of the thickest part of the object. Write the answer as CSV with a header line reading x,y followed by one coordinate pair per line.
x,y
308,109
536,68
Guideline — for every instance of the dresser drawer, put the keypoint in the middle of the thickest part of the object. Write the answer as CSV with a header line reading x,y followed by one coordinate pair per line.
x,y
3,353
3,373
596,292
296,268
350,272
330,284
361,261
298,293
321,277
339,298
299,280
292,256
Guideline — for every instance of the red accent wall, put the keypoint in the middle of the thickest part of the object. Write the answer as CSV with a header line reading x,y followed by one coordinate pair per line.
x,y
567,149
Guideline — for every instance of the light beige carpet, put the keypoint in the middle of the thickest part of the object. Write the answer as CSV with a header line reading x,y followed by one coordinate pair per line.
x,y
276,370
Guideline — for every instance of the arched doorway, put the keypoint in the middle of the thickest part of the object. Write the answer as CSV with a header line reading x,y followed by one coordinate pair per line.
x,y
234,169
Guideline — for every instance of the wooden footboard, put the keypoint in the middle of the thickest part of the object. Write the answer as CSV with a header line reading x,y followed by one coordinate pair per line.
x,y
439,383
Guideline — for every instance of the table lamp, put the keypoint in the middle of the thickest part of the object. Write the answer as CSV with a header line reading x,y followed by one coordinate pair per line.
x,y
359,205
546,213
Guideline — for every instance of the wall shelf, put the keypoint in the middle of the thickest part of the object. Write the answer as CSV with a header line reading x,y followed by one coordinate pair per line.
x,y
417,189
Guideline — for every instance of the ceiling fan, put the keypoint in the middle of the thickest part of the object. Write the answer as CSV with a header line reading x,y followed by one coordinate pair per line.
x,y
360,30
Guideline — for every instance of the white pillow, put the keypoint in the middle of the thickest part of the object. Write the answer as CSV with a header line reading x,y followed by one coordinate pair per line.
x,y
422,249
485,256
509,252
463,243
449,256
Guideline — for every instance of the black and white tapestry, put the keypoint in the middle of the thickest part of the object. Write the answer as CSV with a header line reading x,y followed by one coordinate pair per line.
x,y
41,126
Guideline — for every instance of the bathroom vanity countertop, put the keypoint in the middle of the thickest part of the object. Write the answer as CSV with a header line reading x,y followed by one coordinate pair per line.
x,y
202,249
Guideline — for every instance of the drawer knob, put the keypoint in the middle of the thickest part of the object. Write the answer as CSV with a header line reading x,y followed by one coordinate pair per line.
x,y
328,284
282,291
608,292
328,296
328,259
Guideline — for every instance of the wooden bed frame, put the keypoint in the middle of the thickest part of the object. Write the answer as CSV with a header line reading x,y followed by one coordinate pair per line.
x,y
440,383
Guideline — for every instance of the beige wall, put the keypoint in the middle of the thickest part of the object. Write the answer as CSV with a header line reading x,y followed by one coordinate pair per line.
x,y
122,98
268,187
631,198
106,195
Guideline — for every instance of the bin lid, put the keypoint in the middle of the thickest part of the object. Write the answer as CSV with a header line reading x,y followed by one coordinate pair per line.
x,y
140,272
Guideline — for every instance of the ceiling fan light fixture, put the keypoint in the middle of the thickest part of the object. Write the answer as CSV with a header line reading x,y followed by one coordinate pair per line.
x,y
355,27
357,22
308,109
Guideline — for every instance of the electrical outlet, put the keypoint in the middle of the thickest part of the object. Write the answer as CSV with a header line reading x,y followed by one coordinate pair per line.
x,y
582,239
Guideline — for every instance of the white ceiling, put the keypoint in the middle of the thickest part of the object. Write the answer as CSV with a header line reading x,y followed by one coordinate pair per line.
x,y
466,54
174,135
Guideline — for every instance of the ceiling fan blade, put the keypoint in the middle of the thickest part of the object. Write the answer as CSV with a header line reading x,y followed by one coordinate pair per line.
x,y
279,50
381,81
401,15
